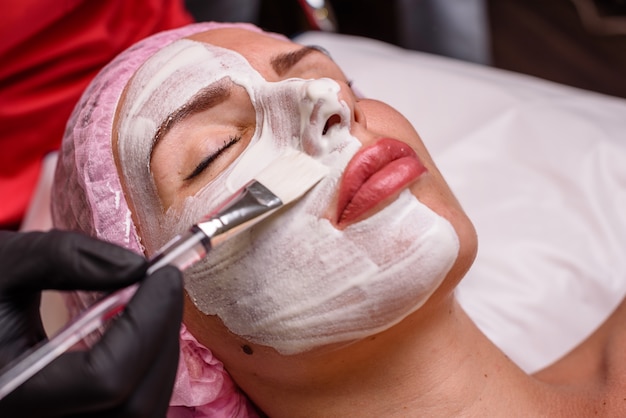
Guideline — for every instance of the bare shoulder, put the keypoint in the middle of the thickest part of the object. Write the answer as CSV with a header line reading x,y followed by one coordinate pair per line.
x,y
596,367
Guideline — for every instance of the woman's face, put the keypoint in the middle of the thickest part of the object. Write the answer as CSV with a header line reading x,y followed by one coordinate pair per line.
x,y
366,247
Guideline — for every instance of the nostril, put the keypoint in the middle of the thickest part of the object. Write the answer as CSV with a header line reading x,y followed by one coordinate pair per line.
x,y
332,121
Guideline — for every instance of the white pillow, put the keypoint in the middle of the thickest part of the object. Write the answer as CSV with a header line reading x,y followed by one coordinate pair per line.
x,y
541,170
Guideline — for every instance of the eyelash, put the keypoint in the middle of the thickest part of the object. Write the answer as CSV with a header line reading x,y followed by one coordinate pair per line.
x,y
208,160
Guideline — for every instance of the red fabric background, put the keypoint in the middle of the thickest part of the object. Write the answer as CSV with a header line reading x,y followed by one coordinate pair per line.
x,y
49,51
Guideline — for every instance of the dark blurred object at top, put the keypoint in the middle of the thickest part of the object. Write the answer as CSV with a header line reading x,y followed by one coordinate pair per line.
x,y
555,40
455,28
581,43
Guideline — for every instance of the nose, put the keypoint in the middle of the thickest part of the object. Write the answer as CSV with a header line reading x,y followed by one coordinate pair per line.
x,y
329,113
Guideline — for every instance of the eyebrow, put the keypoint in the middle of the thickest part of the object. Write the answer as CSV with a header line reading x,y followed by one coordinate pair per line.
x,y
284,62
204,99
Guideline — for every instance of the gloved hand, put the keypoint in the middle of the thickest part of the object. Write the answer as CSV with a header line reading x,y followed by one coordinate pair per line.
x,y
131,370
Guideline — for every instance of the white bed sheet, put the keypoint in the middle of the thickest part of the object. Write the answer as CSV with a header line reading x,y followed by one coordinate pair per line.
x,y
539,167
541,170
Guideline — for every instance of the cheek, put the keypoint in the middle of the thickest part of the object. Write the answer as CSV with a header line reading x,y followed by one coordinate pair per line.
x,y
384,120
434,193
437,195
160,167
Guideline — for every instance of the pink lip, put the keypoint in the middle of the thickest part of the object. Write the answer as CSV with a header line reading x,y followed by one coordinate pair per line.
x,y
375,174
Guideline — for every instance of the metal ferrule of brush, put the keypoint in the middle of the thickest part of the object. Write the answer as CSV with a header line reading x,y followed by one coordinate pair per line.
x,y
251,204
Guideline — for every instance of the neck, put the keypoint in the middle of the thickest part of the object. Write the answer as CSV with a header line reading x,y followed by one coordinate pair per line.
x,y
446,368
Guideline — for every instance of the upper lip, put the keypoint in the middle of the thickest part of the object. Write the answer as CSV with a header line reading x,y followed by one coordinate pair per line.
x,y
375,173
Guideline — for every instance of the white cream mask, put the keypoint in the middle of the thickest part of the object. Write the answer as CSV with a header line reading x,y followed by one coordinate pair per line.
x,y
293,282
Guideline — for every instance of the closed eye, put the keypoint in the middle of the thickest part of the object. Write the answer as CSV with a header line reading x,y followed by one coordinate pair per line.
x,y
209,159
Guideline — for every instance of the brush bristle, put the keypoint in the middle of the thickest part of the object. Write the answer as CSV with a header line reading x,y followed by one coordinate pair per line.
x,y
291,175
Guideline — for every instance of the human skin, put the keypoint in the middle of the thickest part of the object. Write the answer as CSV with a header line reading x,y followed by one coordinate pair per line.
x,y
435,362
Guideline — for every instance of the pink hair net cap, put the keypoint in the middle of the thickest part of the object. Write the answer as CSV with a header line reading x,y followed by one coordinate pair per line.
x,y
87,196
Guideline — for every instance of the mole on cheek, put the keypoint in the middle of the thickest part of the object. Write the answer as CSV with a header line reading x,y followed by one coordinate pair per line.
x,y
247,349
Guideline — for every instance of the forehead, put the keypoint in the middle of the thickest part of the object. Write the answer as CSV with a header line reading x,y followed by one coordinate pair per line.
x,y
258,48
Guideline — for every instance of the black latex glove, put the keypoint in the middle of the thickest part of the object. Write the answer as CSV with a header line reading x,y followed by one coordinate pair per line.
x,y
130,372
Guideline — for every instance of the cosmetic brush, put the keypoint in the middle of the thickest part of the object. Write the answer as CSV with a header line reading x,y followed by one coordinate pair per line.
x,y
285,180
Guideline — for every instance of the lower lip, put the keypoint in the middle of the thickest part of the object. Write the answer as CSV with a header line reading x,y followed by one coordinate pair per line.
x,y
375,175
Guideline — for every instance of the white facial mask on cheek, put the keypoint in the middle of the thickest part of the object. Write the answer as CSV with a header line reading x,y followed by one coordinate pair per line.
x,y
294,282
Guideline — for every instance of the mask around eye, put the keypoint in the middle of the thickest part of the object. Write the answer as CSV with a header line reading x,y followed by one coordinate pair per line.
x,y
166,82
169,80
